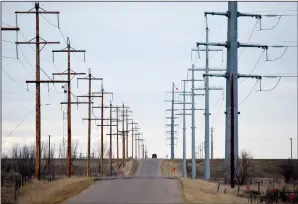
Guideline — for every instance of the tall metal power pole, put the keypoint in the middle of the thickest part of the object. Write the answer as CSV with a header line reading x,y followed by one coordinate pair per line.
x,y
193,139
207,113
291,140
184,135
172,124
184,93
37,80
212,131
232,45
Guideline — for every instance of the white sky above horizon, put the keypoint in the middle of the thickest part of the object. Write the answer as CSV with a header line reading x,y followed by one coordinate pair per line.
x,y
140,49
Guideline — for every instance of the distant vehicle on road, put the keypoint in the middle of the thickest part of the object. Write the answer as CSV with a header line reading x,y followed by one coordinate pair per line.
x,y
154,156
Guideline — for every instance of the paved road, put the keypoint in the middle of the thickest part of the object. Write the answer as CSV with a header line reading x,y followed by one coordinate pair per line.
x,y
148,186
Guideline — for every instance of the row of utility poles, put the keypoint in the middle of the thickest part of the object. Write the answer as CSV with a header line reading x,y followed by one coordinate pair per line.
x,y
91,95
231,75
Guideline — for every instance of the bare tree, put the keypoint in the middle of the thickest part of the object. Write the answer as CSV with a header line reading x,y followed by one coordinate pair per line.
x,y
105,150
243,168
289,170
74,149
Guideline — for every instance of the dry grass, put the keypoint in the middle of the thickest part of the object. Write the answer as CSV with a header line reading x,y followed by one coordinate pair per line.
x,y
7,194
131,167
43,192
166,165
199,191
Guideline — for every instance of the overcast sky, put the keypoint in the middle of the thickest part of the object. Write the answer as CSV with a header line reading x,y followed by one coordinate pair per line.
x,y
140,49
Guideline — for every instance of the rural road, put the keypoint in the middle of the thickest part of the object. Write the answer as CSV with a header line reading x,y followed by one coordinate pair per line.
x,y
148,186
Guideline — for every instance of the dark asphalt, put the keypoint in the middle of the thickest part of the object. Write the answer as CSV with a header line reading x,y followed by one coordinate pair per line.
x,y
148,186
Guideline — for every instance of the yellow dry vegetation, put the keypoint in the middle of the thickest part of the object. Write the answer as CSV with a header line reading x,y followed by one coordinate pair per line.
x,y
131,167
200,191
165,167
44,192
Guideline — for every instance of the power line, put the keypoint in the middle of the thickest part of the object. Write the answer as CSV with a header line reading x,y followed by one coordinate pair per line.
x,y
274,86
250,36
49,21
12,79
255,84
7,24
8,57
279,56
7,41
272,26
273,11
255,65
219,99
31,111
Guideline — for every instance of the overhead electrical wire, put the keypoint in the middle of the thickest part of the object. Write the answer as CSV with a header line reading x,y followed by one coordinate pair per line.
x,y
273,87
272,26
270,60
250,36
12,79
260,57
255,84
31,111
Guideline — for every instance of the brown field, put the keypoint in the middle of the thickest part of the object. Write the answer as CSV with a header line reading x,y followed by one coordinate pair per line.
x,y
196,190
42,192
264,168
59,168
131,167
200,191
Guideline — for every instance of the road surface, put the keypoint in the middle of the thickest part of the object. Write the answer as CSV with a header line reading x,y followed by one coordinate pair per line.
x,y
148,186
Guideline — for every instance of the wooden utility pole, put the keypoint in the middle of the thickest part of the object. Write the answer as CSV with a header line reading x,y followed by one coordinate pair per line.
x,y
89,78
49,152
111,119
117,133
123,134
138,139
37,80
132,136
102,125
127,122
143,145
68,50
